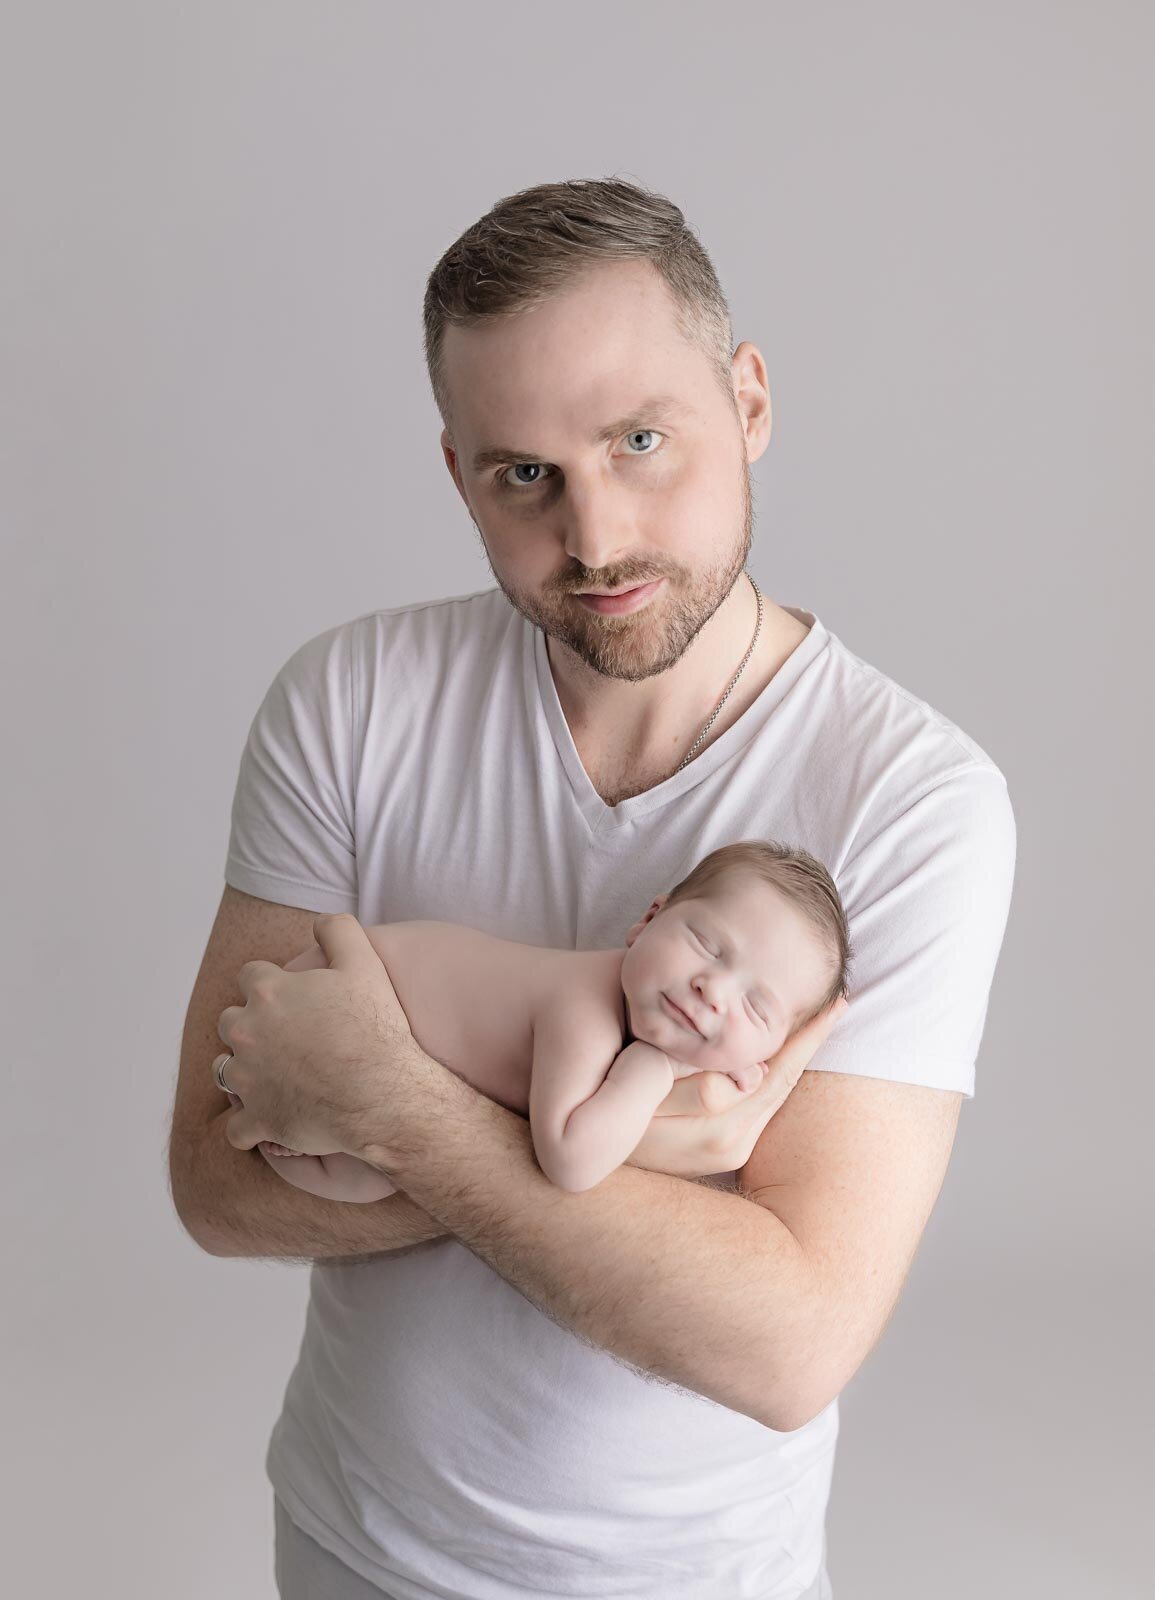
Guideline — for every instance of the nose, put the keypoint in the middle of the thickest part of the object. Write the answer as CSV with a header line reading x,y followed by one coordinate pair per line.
x,y
713,987
596,531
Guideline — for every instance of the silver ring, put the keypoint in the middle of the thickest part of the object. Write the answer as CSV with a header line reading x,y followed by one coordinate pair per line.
x,y
219,1073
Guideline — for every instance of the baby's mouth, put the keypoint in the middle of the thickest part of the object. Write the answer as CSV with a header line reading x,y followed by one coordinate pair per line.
x,y
680,1016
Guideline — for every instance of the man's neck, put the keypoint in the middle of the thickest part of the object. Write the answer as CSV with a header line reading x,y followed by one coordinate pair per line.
x,y
631,736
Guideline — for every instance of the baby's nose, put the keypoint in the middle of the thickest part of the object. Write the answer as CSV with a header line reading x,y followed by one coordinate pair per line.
x,y
715,991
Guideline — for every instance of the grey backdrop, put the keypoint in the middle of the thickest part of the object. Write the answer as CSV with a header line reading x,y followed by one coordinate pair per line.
x,y
218,440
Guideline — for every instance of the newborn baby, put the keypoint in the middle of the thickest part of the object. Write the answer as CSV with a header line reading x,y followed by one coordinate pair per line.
x,y
716,976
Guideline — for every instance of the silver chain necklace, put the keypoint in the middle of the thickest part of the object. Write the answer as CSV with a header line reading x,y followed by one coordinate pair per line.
x,y
757,629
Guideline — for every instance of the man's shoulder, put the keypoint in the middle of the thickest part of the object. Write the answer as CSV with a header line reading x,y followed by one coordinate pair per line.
x,y
476,604
460,629
890,728
480,615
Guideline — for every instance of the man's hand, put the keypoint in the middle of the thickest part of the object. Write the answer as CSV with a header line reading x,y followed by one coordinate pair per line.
x,y
720,1136
318,1054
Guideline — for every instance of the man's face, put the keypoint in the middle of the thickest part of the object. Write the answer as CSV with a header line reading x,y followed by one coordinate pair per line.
x,y
561,511
742,961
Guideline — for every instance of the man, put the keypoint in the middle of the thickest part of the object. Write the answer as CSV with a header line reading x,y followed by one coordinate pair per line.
x,y
633,1389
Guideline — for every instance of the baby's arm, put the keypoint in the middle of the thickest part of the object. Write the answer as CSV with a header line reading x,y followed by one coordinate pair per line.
x,y
590,1101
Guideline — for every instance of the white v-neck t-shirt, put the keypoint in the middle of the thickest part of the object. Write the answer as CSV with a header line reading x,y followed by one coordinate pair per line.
x,y
441,1435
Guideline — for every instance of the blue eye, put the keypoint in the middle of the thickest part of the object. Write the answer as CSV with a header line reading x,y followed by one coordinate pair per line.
x,y
516,488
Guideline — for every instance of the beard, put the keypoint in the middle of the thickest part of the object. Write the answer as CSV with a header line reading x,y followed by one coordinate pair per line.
x,y
643,643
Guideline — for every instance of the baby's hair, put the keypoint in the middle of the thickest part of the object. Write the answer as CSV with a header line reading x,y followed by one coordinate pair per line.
x,y
800,878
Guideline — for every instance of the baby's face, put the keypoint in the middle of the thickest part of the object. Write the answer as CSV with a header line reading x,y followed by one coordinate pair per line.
x,y
743,963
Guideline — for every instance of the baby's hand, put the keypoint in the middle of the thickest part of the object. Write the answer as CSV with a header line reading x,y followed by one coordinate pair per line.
x,y
695,1091
748,1078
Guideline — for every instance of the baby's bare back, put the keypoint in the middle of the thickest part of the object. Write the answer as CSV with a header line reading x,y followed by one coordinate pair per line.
x,y
471,998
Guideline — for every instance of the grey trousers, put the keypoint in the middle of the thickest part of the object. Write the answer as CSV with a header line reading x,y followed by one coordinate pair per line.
x,y
306,1571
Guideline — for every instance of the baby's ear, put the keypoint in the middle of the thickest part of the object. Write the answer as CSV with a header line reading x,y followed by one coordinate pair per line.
x,y
655,907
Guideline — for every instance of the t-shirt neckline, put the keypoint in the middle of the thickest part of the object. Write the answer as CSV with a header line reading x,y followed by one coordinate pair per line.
x,y
601,817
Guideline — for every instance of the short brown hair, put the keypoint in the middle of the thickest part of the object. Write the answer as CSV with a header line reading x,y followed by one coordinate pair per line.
x,y
800,878
538,241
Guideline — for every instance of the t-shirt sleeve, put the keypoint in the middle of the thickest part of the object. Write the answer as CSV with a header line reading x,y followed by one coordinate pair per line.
x,y
291,837
927,899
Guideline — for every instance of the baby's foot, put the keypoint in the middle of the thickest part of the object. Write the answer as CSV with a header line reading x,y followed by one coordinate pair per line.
x,y
268,1148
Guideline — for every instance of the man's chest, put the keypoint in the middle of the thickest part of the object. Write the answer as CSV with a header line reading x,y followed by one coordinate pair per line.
x,y
483,821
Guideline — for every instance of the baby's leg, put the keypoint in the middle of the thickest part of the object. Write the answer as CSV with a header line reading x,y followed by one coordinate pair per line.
x,y
336,1177
307,961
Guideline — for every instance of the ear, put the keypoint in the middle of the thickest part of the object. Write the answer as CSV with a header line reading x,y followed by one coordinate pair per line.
x,y
450,455
751,397
655,907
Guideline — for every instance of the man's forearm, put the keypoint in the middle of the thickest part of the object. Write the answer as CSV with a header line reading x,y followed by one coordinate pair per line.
x,y
684,1281
248,1211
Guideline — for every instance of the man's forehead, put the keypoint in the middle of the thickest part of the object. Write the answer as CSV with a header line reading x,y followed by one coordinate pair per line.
x,y
570,369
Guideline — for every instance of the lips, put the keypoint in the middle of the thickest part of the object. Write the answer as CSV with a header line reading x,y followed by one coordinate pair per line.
x,y
620,601
682,1015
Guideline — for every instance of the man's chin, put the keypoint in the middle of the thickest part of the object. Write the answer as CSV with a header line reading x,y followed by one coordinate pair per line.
x,y
629,647
631,662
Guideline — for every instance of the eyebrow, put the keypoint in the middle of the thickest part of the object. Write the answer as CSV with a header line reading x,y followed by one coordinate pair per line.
x,y
653,409
728,946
